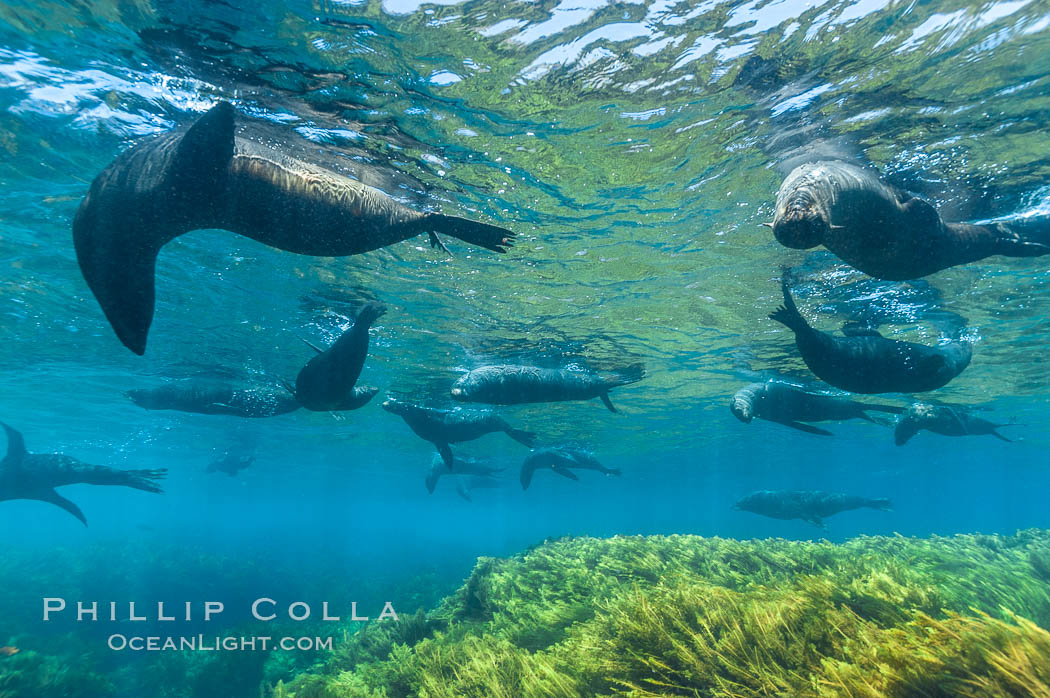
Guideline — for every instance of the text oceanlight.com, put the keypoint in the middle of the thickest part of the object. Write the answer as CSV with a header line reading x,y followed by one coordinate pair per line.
x,y
201,643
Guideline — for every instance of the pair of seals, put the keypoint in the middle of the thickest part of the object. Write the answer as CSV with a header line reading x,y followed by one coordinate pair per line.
x,y
562,461
512,385
947,420
886,232
215,397
206,177
791,406
810,506
445,427
25,475
863,361
326,382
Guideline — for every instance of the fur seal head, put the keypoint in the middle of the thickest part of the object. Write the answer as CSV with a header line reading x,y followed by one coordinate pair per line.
x,y
741,407
800,221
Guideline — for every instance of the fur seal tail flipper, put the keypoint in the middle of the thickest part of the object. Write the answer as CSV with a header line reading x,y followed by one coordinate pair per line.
x,y
491,237
627,375
52,497
145,480
1024,237
808,428
788,314
118,260
608,402
523,437
882,504
446,454
16,445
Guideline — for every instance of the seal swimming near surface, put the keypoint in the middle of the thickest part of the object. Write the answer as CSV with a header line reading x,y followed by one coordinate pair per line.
x,y
207,177
947,420
35,476
215,397
791,406
562,461
460,466
512,384
863,361
445,427
886,232
810,506
327,381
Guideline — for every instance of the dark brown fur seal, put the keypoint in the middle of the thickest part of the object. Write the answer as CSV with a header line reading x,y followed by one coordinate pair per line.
x,y
884,231
327,381
205,177
947,420
792,406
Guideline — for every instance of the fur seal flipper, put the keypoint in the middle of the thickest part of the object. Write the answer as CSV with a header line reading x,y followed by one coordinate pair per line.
x,y
207,177
327,381
885,232
870,363
35,476
513,384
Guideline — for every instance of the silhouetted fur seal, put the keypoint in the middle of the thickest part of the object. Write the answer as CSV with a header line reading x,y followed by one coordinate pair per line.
x,y
811,506
947,420
885,232
231,464
512,385
35,476
864,361
791,405
562,461
466,484
206,177
444,427
215,397
460,466
327,381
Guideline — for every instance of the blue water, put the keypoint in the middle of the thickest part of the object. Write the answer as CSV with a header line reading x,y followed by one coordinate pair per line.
x,y
632,147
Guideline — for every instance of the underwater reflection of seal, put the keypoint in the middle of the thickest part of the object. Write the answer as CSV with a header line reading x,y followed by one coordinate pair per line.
x,y
864,361
206,177
327,381
36,475
886,232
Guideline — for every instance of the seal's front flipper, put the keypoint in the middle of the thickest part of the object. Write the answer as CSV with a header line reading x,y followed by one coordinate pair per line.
x,y
608,402
16,446
808,428
490,237
997,435
564,472
435,241
310,344
817,521
52,497
446,454
921,213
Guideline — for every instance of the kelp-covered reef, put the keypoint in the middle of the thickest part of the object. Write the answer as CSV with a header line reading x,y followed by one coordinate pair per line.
x,y
691,616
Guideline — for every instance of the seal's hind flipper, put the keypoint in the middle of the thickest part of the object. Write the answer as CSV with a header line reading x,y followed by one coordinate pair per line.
x,y
608,402
564,472
16,446
808,428
491,237
446,454
52,497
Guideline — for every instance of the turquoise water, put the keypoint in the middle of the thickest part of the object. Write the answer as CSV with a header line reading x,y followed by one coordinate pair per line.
x,y
633,148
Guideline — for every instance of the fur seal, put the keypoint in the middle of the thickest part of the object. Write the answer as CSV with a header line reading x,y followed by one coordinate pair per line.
x,y
947,420
562,461
215,397
230,464
326,382
467,484
886,232
35,476
460,466
512,385
863,361
791,405
810,506
206,177
444,427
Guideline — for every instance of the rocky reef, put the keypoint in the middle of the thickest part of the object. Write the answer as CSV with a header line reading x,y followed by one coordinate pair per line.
x,y
691,616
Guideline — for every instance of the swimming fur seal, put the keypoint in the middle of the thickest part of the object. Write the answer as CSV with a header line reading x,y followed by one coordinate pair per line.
x,y
460,466
326,382
230,463
512,385
562,461
886,232
444,427
215,397
35,476
206,177
863,361
947,420
465,485
810,506
791,405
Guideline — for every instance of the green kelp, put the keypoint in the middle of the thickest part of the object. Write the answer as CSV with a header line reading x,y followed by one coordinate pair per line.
x,y
691,616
